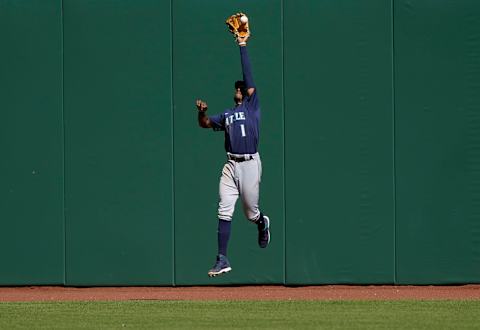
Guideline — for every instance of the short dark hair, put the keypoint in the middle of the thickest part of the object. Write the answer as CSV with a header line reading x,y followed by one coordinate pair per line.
x,y
241,84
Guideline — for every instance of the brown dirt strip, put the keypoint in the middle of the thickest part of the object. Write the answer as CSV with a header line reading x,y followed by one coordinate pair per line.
x,y
327,292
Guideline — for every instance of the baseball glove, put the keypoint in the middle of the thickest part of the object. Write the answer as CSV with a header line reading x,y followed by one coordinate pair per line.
x,y
238,25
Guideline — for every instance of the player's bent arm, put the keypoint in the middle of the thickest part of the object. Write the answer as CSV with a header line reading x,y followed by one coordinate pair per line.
x,y
203,120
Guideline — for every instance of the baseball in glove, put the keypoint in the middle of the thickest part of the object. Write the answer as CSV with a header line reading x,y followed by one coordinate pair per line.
x,y
238,25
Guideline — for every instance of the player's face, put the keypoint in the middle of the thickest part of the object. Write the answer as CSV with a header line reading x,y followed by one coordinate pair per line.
x,y
238,97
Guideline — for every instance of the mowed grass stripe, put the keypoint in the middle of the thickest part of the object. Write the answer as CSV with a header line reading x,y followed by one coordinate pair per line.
x,y
445,314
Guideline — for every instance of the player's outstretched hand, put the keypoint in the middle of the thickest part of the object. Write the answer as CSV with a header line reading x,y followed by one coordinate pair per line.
x,y
202,106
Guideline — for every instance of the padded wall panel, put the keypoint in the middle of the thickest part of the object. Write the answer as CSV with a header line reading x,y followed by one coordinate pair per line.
x,y
119,142
437,117
31,143
339,158
206,64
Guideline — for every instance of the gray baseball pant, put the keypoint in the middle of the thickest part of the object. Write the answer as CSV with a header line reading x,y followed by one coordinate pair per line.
x,y
240,179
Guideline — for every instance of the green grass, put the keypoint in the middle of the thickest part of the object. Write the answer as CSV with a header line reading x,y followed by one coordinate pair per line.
x,y
242,314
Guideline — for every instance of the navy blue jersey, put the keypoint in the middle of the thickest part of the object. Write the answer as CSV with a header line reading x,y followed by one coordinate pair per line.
x,y
241,126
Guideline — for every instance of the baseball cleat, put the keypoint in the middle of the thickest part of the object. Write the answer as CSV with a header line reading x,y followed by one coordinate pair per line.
x,y
222,266
264,233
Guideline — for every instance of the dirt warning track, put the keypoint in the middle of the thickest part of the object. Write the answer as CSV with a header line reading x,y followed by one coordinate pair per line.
x,y
327,292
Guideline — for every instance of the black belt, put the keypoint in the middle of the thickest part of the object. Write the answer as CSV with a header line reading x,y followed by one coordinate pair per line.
x,y
240,159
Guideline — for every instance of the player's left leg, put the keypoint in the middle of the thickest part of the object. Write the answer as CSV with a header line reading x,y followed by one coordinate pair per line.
x,y
249,174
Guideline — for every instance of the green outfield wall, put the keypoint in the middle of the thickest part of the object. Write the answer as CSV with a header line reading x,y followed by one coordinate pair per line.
x,y
370,141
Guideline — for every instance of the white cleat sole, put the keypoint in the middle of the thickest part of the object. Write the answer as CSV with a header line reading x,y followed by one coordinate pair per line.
x,y
222,271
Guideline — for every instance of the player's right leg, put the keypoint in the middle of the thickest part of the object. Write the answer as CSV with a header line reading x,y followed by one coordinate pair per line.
x,y
228,194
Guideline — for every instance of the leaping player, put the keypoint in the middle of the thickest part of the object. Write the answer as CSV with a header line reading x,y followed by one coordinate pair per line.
x,y
242,172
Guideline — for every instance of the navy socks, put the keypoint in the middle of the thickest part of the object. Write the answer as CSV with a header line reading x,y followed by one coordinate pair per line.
x,y
224,228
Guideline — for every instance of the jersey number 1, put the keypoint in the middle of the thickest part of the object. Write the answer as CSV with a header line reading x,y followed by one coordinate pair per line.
x,y
243,129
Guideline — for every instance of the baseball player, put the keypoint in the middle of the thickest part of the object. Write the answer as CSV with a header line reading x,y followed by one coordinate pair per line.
x,y
243,168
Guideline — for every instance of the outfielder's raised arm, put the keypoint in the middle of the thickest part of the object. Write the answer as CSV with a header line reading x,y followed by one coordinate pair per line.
x,y
247,70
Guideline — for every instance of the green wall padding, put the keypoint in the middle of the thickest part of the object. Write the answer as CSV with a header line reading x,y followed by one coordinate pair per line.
x,y
31,143
339,158
206,65
437,125
118,142
370,141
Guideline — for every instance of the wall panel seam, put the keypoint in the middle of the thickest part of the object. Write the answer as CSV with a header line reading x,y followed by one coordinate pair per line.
x,y
282,19
62,32
393,143
172,132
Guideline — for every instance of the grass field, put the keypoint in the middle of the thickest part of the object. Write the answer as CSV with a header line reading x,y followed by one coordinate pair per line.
x,y
242,314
